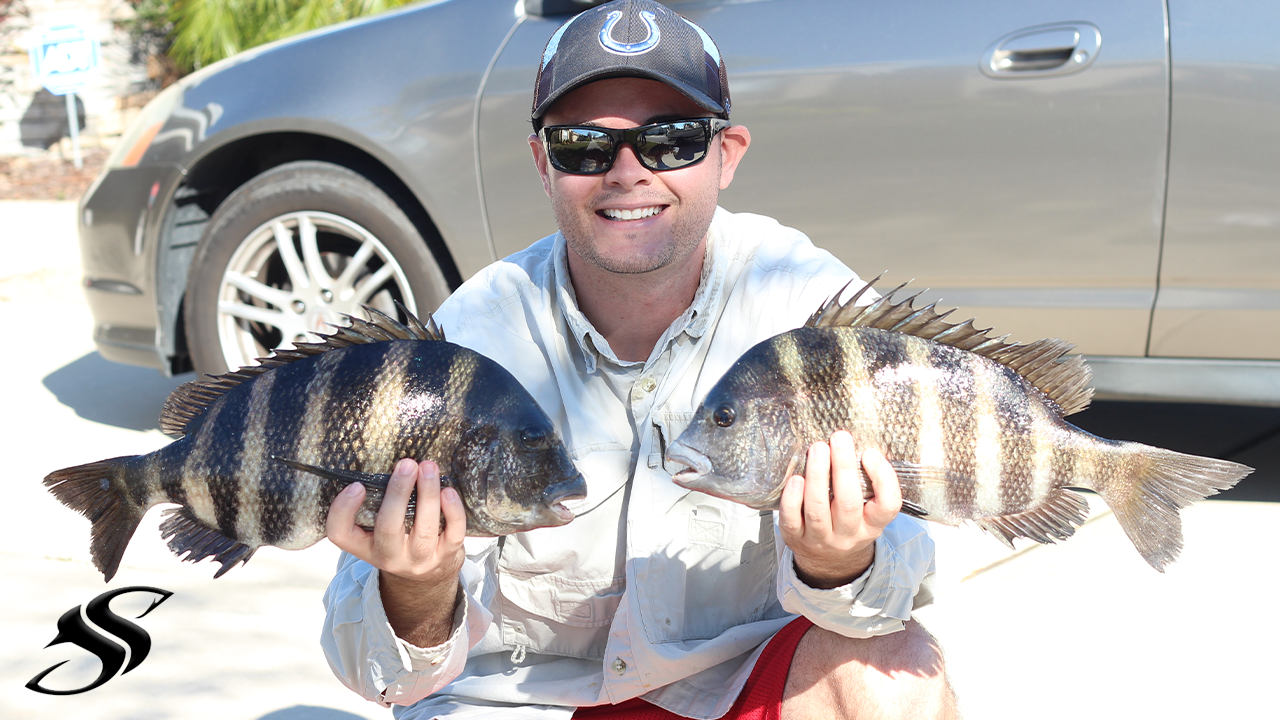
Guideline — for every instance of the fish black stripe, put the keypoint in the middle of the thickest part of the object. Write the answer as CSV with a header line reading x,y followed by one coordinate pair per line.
x,y
765,364
822,364
903,397
223,466
1016,443
288,414
168,466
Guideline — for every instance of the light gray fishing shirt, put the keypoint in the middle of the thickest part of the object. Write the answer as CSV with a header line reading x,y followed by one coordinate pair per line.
x,y
652,590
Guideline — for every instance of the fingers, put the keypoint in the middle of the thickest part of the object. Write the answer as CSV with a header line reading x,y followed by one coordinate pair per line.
x,y
790,507
388,527
340,525
829,500
880,510
425,477
423,552
455,517
846,485
817,490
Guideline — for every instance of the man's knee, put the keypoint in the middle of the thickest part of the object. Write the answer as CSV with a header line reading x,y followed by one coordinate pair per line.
x,y
897,675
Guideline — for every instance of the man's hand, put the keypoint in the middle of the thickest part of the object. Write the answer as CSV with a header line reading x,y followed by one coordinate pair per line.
x,y
419,568
823,518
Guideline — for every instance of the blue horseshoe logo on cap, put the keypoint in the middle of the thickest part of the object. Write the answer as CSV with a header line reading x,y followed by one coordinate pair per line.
x,y
644,46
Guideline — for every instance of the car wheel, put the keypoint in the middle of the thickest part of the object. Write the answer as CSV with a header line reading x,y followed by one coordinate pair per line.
x,y
293,250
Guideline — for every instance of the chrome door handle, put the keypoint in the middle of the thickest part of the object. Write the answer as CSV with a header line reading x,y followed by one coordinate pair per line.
x,y
1043,50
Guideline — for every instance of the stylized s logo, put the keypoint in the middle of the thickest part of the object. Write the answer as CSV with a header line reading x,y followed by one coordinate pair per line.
x,y
72,628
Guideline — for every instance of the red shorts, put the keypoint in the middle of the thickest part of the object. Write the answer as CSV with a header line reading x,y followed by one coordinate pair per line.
x,y
761,696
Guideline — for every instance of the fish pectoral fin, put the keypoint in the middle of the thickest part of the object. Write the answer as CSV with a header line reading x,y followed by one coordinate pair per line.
x,y
914,510
198,541
1056,519
345,477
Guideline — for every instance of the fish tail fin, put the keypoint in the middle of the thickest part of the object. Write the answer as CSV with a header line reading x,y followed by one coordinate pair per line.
x,y
1149,488
93,491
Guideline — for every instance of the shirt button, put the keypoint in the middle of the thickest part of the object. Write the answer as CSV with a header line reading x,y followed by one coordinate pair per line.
x,y
619,666
648,384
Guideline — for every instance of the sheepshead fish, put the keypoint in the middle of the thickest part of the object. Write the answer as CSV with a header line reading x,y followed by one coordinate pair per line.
x,y
973,427
265,449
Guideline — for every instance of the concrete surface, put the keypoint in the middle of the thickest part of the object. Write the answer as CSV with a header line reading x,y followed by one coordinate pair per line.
x,y
1081,629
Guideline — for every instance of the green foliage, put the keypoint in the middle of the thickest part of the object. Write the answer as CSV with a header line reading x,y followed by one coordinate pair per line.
x,y
201,32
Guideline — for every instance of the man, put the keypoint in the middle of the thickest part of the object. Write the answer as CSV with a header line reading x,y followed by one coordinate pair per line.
x,y
654,600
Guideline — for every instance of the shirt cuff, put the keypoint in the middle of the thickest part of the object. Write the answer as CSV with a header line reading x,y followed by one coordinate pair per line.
x,y
877,602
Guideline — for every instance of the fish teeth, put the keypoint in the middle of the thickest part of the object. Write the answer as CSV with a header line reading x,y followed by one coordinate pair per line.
x,y
637,214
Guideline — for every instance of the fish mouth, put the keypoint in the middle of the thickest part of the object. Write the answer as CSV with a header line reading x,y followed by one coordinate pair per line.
x,y
556,495
698,465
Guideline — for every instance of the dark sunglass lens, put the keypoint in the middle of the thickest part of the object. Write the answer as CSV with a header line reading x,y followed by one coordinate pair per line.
x,y
673,145
579,151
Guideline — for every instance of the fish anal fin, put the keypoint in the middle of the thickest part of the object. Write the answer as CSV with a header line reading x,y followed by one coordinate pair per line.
x,y
1064,379
1055,519
189,536
191,399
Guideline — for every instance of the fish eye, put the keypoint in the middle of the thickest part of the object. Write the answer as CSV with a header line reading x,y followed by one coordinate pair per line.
x,y
535,438
724,415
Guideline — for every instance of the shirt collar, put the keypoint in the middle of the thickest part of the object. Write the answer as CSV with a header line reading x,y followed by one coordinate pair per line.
x,y
694,321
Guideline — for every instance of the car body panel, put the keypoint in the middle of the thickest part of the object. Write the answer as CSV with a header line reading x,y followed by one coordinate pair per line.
x,y
407,98
1036,202
1220,273
117,253
1033,203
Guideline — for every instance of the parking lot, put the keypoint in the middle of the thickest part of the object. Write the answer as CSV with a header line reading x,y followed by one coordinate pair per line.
x,y
1085,628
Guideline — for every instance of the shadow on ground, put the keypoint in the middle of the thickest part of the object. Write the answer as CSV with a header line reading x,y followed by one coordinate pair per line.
x,y
1249,435
308,712
112,394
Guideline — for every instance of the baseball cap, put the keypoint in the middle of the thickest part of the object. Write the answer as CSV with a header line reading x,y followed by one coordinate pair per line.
x,y
632,38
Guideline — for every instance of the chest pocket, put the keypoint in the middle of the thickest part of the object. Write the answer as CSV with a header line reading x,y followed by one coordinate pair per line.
x,y
713,567
559,588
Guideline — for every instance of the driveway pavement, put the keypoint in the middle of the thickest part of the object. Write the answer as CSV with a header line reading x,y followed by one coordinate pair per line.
x,y
1082,629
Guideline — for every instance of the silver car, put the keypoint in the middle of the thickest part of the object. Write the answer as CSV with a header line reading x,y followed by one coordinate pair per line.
x,y
1104,172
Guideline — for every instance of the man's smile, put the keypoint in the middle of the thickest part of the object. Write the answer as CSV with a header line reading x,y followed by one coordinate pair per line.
x,y
631,213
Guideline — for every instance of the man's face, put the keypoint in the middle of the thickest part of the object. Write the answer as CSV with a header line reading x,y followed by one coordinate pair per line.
x,y
670,210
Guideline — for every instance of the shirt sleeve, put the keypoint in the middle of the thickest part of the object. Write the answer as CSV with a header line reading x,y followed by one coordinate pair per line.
x,y
878,602
364,652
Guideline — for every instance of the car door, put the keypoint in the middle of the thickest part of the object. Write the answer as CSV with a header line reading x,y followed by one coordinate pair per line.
x,y
1029,194
1220,276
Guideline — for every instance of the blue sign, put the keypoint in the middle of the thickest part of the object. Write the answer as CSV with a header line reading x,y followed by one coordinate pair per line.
x,y
62,58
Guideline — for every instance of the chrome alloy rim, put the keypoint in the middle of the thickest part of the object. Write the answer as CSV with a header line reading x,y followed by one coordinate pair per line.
x,y
298,274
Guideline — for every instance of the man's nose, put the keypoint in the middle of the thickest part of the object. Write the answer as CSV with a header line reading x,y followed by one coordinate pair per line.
x,y
627,170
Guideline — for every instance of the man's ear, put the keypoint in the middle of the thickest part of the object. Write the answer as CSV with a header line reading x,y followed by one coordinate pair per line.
x,y
540,162
734,141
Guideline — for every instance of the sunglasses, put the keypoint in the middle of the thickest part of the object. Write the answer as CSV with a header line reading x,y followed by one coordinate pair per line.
x,y
589,150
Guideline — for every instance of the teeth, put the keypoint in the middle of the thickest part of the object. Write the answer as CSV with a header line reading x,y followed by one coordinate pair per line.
x,y
637,214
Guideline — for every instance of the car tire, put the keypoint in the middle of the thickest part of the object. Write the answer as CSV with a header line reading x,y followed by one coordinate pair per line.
x,y
350,245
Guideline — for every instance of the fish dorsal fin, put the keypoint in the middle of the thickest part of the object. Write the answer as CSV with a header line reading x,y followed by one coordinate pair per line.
x,y
1063,378
190,400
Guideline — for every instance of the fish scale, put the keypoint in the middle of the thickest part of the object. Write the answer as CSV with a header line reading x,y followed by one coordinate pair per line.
x,y
265,450
972,425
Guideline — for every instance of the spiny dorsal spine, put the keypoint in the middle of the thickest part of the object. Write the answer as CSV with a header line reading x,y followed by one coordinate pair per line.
x,y
190,400
1063,378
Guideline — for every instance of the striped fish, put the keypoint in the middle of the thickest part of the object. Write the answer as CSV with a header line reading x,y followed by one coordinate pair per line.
x,y
264,450
972,425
